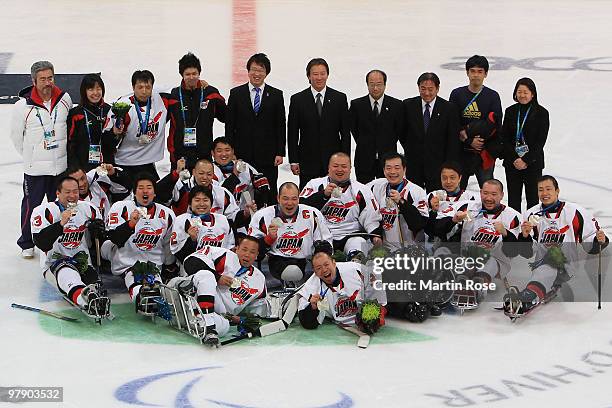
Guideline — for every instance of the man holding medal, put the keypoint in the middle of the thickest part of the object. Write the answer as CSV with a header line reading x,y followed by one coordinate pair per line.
x,y
140,138
38,132
191,134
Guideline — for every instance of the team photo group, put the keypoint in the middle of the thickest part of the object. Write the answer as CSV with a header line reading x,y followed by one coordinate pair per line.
x,y
191,245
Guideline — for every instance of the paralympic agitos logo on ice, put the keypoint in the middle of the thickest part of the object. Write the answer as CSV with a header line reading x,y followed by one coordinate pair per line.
x,y
291,242
147,237
72,236
336,212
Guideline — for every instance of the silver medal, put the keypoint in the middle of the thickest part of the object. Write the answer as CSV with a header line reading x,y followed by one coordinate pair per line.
x,y
101,171
337,192
240,166
196,222
143,212
534,220
276,221
235,283
323,305
441,195
73,207
184,175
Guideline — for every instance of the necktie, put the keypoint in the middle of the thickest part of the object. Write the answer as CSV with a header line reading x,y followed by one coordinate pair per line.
x,y
257,100
426,117
319,104
376,111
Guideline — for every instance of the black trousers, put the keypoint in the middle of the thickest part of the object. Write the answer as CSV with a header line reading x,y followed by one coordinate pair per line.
x,y
130,172
515,180
472,165
271,173
35,188
365,175
305,178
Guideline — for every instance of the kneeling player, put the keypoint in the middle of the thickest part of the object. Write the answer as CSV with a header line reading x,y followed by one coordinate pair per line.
x,y
552,226
199,227
64,230
140,230
223,282
288,231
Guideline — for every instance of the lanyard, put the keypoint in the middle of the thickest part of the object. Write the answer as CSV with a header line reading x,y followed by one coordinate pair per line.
x,y
87,123
543,211
242,271
470,102
143,124
519,125
321,292
397,188
183,108
41,122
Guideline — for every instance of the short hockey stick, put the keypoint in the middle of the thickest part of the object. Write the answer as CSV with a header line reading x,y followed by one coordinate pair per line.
x,y
45,312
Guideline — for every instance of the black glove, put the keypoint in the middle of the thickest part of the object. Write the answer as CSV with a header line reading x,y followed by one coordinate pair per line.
x,y
169,271
97,229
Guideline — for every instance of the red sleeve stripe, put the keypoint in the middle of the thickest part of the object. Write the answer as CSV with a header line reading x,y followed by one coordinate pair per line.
x,y
578,224
514,223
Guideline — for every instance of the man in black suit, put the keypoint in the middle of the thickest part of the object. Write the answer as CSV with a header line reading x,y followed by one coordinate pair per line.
x,y
318,124
431,138
255,121
376,125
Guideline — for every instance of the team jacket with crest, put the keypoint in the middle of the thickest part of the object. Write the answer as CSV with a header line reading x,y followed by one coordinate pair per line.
x,y
223,200
62,242
413,211
296,236
213,231
355,210
445,208
481,232
222,261
342,296
130,152
147,241
564,223
249,180
200,115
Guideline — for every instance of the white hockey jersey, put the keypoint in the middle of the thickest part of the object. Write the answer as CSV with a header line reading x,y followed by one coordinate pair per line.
x,y
355,210
215,231
75,235
252,281
480,230
392,220
149,240
223,201
342,298
248,182
138,147
563,224
97,195
296,236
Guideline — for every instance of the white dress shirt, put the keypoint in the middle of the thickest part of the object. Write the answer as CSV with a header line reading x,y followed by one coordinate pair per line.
x,y
431,106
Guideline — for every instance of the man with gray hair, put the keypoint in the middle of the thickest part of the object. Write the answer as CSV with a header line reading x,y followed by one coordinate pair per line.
x,y
38,132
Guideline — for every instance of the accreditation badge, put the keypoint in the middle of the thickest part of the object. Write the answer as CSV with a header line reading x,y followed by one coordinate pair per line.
x,y
189,137
95,154
50,142
521,149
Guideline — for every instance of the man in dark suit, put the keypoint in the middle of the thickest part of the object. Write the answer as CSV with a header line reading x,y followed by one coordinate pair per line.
x,y
432,126
376,125
255,121
318,124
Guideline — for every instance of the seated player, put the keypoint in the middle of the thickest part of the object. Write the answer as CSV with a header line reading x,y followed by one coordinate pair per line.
x,y
223,282
288,231
92,188
348,206
140,230
198,227
64,230
238,176
552,224
223,200
401,204
486,225
439,201
334,291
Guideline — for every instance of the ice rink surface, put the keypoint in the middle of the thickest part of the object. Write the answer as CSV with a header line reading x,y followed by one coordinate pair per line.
x,y
560,356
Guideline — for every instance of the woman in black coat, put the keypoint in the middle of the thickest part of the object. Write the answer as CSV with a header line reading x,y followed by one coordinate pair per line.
x,y
524,134
88,146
